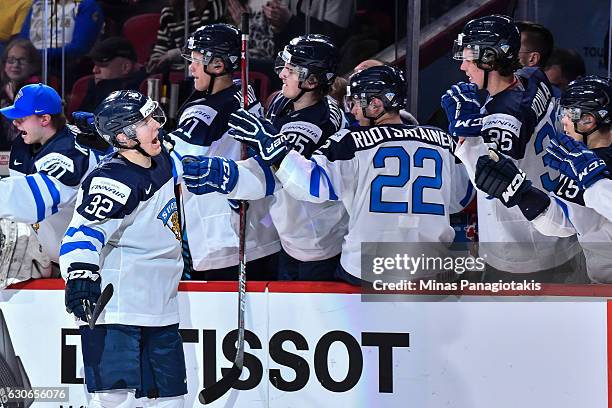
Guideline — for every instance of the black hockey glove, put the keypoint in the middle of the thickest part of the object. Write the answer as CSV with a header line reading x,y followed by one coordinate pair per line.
x,y
500,178
82,289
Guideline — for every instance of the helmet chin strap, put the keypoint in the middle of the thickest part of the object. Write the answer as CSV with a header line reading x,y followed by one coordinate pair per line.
x,y
213,76
303,91
371,118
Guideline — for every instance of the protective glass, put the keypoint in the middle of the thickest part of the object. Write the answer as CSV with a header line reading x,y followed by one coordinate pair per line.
x,y
465,52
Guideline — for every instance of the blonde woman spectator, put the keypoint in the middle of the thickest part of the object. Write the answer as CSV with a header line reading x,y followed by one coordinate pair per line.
x,y
20,64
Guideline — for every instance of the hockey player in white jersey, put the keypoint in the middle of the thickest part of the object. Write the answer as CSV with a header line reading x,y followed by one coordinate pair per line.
x,y
46,166
211,225
588,120
518,118
126,231
585,115
399,183
311,234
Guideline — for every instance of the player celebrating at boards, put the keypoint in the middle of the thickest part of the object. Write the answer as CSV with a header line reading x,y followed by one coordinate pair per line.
x,y
126,231
310,250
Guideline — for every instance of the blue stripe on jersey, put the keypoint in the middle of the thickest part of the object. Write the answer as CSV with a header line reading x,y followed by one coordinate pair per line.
x,y
73,246
468,194
565,210
55,194
38,198
315,181
87,231
270,183
174,172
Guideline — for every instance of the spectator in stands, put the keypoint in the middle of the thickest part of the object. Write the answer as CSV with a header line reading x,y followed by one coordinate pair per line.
x,y
292,18
115,68
536,44
171,35
21,66
117,12
261,36
11,19
564,66
73,25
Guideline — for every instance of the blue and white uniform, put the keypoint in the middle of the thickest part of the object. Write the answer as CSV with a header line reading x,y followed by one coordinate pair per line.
x,y
211,225
308,231
398,183
43,185
126,222
518,122
567,215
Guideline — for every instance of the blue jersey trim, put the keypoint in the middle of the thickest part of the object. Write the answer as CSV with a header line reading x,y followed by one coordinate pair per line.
x,y
55,194
315,180
87,231
73,246
38,198
565,210
270,183
468,194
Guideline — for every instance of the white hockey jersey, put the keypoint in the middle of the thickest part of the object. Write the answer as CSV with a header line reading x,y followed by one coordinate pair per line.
x,y
398,183
126,222
519,122
567,215
599,197
211,225
43,185
308,231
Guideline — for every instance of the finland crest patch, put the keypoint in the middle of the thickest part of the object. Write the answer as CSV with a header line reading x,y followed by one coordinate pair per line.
x,y
169,216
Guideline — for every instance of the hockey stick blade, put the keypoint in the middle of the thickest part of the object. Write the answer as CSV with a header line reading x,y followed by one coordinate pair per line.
x,y
105,296
215,391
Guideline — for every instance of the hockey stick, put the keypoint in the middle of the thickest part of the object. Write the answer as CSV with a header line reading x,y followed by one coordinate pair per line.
x,y
105,296
216,390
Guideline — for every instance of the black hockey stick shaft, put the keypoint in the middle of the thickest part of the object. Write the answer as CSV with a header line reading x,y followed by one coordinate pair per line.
x,y
105,296
218,389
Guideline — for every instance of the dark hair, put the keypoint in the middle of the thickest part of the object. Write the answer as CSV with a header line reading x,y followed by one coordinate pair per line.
x,y
538,39
58,121
34,58
570,61
178,7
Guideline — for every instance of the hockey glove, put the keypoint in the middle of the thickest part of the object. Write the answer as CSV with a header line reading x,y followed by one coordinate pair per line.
x,y
248,129
203,175
84,121
501,179
460,103
82,289
575,160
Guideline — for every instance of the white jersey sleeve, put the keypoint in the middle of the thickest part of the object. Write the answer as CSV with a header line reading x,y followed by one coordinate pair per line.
x,y
554,220
318,179
255,180
599,196
40,195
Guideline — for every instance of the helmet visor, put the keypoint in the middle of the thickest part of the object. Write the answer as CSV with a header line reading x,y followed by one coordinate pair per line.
x,y
283,60
205,60
156,113
465,52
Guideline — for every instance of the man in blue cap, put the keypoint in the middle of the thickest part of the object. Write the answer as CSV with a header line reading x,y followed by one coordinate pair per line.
x,y
46,167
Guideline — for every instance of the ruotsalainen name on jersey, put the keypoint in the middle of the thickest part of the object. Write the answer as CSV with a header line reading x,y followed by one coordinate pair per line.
x,y
370,137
